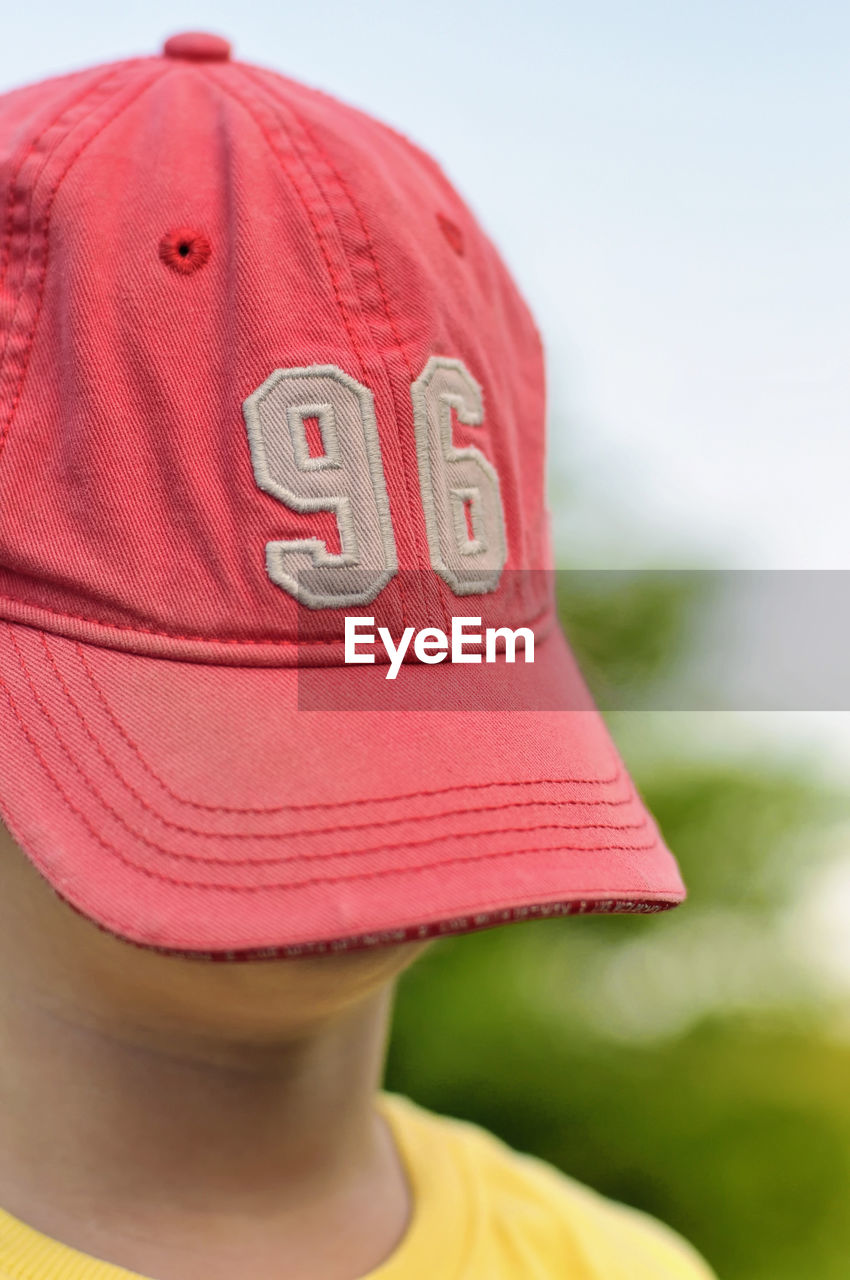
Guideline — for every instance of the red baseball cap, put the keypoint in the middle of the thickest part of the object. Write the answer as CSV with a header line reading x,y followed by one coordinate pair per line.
x,y
261,371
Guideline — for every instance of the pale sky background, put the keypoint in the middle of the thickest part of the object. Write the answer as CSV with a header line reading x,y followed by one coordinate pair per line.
x,y
670,185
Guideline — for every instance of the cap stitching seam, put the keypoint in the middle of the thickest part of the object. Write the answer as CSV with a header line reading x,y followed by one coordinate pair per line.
x,y
613,803
306,204
340,804
225,640
287,170
13,191
384,872
412,495
27,233
288,859
620,802
6,427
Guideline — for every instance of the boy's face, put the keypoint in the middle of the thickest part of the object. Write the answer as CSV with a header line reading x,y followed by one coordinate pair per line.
x,y
54,957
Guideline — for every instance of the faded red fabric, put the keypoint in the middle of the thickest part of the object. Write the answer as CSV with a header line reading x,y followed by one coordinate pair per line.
x,y
153,760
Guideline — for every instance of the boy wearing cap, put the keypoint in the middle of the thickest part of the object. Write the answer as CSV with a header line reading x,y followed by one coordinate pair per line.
x,y
262,373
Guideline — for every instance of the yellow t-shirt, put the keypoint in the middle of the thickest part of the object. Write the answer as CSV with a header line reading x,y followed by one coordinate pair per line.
x,y
481,1212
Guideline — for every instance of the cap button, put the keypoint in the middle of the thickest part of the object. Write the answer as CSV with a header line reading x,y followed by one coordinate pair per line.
x,y
197,46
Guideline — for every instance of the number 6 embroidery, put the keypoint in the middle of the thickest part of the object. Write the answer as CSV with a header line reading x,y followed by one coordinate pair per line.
x,y
460,488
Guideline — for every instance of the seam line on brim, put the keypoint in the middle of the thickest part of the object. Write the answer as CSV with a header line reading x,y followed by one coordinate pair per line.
x,y
312,806
547,614
374,874
100,748
184,856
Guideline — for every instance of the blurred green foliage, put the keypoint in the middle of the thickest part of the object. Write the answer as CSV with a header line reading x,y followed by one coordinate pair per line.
x,y
681,1062
626,627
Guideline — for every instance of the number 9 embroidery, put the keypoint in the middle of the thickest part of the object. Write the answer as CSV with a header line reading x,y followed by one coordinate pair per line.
x,y
460,489
347,478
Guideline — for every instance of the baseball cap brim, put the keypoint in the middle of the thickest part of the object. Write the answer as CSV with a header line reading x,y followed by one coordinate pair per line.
x,y
200,808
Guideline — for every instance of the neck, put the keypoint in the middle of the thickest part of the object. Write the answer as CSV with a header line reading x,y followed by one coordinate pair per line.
x,y
193,1121
157,1121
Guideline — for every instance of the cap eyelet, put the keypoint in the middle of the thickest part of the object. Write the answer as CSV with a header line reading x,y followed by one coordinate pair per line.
x,y
184,250
452,232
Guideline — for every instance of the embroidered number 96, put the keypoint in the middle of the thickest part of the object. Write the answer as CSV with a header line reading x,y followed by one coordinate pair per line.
x,y
460,489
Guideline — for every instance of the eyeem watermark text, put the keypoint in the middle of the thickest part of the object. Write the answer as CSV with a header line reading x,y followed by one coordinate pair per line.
x,y
431,645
